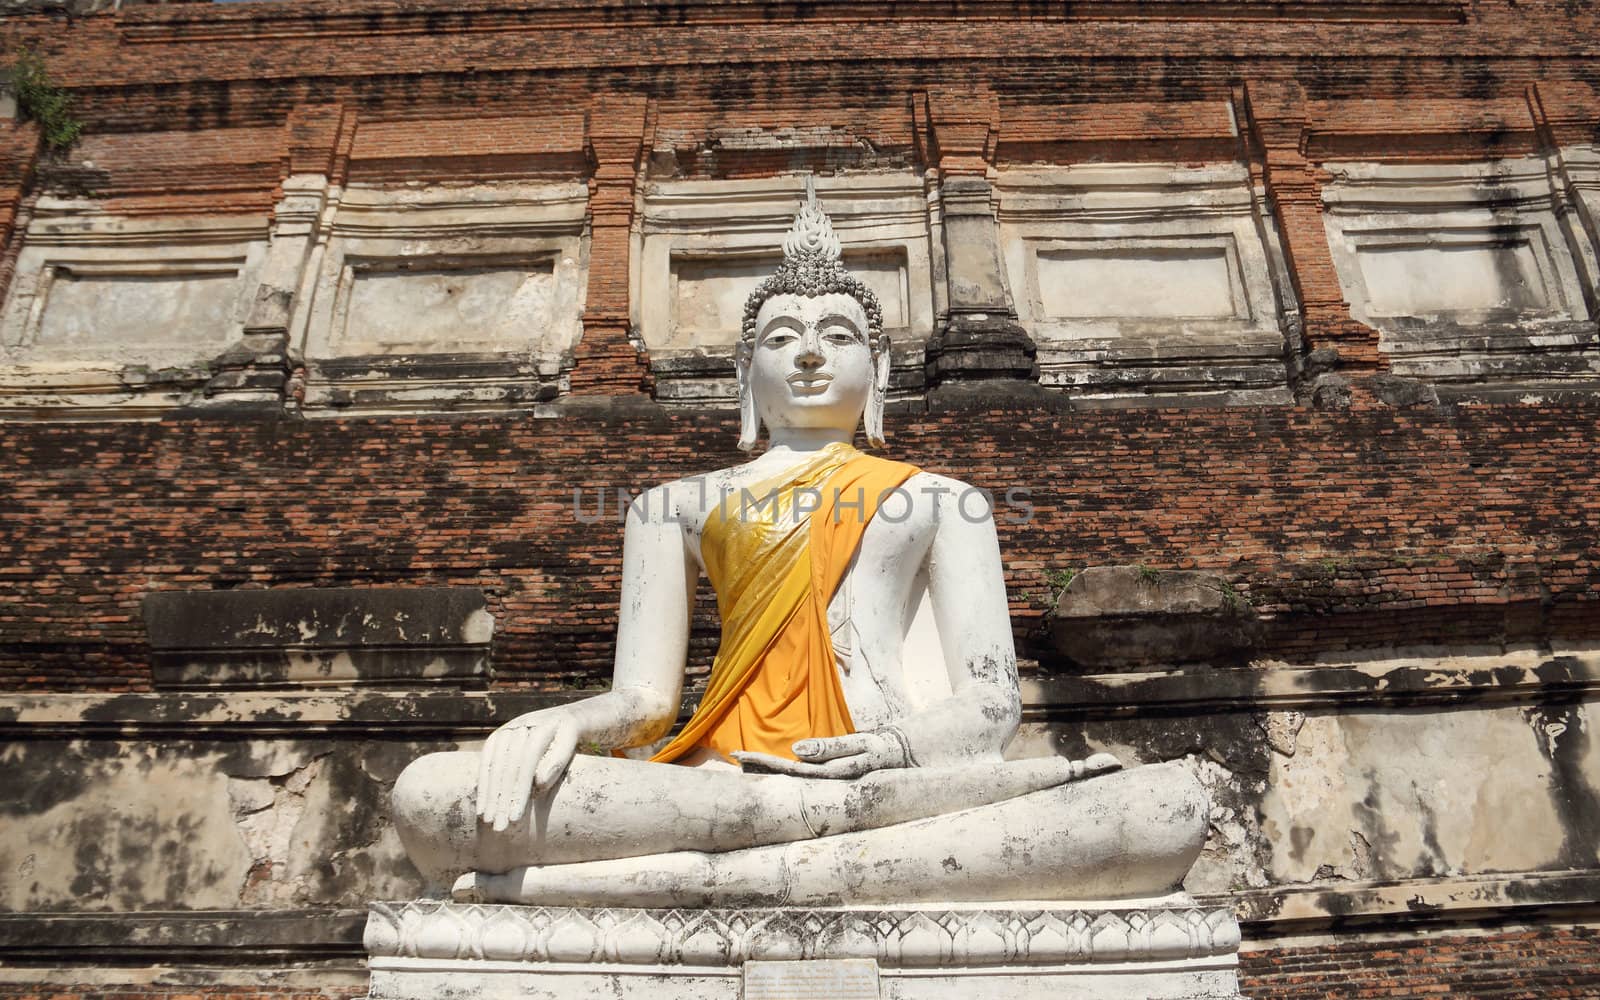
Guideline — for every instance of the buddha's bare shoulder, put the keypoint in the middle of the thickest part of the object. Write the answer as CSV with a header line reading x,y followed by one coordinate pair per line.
x,y
936,497
689,500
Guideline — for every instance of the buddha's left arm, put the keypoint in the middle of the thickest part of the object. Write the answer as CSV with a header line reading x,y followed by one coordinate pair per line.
x,y
967,588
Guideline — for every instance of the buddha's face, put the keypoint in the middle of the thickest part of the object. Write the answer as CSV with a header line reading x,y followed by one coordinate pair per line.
x,y
811,365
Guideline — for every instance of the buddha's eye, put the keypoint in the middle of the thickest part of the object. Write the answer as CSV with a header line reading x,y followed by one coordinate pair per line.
x,y
778,338
839,334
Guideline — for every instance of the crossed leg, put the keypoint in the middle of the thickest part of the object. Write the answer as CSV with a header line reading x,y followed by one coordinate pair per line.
x,y
608,808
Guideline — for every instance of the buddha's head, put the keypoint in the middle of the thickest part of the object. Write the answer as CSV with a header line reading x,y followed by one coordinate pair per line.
x,y
812,353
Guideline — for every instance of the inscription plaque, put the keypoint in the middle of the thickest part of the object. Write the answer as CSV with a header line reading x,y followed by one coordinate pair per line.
x,y
833,979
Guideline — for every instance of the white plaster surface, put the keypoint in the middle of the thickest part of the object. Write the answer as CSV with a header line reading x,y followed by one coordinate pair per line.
x,y
1389,796
142,826
1121,250
1166,981
818,979
170,824
1578,167
1135,282
432,309
1418,280
94,287
89,310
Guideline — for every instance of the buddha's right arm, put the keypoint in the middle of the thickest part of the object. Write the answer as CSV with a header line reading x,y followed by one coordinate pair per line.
x,y
528,754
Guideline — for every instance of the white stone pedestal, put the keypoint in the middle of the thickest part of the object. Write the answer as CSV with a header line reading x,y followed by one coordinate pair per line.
x,y
430,950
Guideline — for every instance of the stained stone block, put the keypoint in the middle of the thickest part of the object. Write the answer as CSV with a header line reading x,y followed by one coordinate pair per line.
x,y
311,636
1494,273
395,309
1131,616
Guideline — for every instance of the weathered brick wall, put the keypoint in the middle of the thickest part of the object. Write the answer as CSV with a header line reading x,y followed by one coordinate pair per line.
x,y
1460,526
1349,529
1521,965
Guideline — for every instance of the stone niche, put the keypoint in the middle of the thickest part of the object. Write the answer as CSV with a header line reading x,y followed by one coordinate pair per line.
x,y
445,297
707,244
120,315
1144,281
1470,272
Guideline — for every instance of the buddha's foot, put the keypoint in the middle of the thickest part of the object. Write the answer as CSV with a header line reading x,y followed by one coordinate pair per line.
x,y
473,887
1128,835
1098,763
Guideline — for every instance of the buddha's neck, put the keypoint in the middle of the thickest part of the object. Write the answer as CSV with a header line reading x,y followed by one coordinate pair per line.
x,y
806,440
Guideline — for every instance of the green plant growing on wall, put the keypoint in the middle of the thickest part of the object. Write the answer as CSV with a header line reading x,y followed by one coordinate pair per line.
x,y
40,101
1234,601
1059,580
1148,575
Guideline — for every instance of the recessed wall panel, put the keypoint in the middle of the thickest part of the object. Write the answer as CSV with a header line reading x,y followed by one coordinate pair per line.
x,y
445,308
118,311
1164,282
1420,279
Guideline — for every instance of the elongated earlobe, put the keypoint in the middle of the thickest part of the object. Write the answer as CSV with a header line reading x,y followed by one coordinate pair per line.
x,y
880,388
749,420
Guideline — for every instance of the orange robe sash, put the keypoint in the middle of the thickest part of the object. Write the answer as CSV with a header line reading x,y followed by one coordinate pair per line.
x,y
775,569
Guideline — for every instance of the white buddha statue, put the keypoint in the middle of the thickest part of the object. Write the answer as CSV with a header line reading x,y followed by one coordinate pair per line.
x,y
849,747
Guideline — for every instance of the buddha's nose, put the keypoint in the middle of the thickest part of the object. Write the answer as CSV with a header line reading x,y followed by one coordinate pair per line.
x,y
810,348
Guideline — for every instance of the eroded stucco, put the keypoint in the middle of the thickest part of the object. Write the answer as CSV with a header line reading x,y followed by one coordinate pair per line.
x,y
112,825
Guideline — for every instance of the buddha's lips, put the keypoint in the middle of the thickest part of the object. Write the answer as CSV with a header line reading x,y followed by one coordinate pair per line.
x,y
810,379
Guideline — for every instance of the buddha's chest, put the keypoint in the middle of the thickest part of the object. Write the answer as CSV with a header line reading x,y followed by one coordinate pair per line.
x,y
885,638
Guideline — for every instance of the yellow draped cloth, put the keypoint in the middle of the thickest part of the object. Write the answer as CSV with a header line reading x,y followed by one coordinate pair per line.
x,y
775,568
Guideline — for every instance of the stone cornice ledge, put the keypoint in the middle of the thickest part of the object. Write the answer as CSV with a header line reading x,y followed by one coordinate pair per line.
x,y
1402,681
219,714
1506,679
1333,906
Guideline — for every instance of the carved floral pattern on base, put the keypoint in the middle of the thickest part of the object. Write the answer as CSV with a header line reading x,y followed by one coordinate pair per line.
x,y
722,937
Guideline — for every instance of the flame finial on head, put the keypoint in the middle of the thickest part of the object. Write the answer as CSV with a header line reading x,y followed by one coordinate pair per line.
x,y
812,266
812,234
